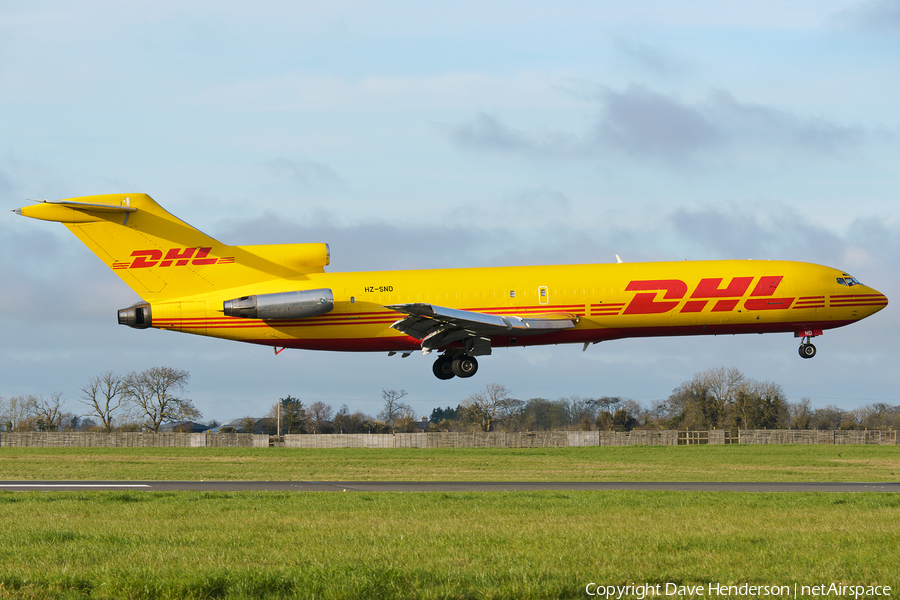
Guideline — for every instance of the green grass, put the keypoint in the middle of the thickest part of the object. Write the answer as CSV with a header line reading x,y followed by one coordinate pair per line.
x,y
531,545
626,463
433,545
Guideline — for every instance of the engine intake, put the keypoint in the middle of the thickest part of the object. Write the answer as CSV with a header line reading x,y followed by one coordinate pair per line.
x,y
284,305
137,315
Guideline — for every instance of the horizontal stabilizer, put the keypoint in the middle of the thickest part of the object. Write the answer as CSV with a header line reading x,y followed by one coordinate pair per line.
x,y
67,211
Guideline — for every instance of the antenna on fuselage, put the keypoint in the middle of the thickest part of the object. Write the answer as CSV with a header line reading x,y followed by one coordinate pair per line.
x,y
619,259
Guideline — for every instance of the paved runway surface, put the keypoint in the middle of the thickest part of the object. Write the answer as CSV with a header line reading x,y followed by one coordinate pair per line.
x,y
436,486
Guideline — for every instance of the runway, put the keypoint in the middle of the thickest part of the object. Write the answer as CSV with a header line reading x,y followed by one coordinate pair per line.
x,y
438,486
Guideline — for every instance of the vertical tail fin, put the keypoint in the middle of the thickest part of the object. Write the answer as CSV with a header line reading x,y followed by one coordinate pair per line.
x,y
161,257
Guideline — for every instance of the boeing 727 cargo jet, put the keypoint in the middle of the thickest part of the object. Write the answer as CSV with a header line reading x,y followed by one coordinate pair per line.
x,y
281,296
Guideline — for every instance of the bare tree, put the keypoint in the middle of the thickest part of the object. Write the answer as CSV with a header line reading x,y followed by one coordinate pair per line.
x,y
47,413
878,416
155,393
728,391
801,414
488,407
393,407
705,401
16,414
319,414
104,395
724,382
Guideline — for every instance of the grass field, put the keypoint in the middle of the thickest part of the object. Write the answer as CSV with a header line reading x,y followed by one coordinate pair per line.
x,y
625,463
441,545
438,545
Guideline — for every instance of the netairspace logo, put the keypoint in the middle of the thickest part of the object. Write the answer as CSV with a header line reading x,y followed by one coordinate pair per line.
x,y
674,590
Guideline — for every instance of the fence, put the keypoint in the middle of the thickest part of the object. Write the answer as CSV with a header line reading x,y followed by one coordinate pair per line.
x,y
790,436
78,439
478,439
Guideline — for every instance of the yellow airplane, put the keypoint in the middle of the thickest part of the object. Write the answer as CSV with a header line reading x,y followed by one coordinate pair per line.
x,y
280,295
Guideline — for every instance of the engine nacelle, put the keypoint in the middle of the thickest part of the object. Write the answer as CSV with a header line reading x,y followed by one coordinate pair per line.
x,y
137,315
284,305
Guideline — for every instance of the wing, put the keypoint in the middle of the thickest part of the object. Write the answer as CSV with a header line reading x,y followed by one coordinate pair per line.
x,y
438,326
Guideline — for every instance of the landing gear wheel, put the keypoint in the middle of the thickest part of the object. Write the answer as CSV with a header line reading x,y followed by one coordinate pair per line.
x,y
807,350
443,368
464,366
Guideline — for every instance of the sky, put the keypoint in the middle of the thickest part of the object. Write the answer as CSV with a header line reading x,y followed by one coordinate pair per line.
x,y
456,134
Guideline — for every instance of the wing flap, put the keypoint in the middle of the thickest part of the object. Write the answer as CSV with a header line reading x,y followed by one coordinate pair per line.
x,y
437,326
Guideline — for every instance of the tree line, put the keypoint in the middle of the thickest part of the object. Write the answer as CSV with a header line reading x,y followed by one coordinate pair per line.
x,y
138,401
719,398
291,415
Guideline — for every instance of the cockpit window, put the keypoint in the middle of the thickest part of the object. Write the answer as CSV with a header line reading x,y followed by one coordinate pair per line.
x,y
847,280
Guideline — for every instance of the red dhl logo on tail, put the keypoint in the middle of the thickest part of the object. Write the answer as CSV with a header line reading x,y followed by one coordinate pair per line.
x,y
725,299
174,257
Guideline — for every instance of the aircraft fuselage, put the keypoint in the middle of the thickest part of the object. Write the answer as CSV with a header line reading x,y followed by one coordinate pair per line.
x,y
610,301
280,295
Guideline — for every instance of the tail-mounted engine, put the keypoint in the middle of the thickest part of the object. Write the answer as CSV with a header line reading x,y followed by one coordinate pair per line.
x,y
285,305
137,315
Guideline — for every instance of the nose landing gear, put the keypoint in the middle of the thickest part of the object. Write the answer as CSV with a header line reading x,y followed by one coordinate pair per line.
x,y
807,350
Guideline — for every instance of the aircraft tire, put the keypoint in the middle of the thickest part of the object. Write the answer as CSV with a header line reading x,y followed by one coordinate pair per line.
x,y
807,350
465,366
443,368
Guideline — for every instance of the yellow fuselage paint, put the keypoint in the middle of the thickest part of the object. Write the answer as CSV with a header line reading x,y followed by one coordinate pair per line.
x,y
804,297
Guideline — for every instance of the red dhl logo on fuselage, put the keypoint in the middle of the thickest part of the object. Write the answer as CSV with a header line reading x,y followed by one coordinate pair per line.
x,y
725,299
174,257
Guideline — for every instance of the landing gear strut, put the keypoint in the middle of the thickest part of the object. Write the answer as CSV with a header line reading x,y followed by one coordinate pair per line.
x,y
449,366
807,350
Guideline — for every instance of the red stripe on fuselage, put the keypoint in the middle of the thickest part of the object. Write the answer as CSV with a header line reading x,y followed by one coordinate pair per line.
x,y
382,344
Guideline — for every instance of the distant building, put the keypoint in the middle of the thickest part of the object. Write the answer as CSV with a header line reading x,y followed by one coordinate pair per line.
x,y
183,427
264,425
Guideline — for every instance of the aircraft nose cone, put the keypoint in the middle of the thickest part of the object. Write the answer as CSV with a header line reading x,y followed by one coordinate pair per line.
x,y
874,299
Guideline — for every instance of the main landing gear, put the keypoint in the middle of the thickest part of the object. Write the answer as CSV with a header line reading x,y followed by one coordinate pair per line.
x,y
448,366
807,350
